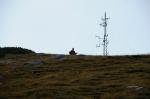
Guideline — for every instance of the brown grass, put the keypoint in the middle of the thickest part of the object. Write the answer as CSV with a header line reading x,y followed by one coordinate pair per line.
x,y
75,77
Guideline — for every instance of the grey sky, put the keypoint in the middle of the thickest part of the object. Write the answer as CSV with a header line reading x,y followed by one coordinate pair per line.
x,y
55,26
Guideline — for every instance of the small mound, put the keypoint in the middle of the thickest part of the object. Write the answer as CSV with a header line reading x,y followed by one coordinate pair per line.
x,y
14,50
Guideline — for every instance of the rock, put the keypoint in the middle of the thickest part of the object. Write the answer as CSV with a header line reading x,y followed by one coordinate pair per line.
x,y
60,56
34,63
137,88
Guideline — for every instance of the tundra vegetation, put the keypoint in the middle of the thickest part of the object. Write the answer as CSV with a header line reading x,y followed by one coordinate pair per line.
x,y
45,76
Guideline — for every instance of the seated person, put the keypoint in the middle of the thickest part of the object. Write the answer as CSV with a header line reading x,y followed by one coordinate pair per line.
x,y
72,52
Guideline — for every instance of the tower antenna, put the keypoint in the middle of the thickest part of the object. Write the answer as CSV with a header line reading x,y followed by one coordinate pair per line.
x,y
105,36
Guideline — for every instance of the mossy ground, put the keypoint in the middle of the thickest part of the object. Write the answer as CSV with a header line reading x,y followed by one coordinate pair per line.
x,y
75,77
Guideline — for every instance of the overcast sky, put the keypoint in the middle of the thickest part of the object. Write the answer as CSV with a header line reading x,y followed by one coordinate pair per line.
x,y
56,26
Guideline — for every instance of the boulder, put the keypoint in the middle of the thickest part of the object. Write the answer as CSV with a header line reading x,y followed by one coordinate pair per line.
x,y
137,88
34,63
59,56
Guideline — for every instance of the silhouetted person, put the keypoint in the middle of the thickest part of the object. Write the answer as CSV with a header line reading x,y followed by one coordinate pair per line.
x,y
72,52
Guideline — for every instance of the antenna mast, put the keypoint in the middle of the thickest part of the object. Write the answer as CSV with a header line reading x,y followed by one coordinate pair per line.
x,y
105,40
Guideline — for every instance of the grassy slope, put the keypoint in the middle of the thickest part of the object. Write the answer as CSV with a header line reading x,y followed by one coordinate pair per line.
x,y
78,77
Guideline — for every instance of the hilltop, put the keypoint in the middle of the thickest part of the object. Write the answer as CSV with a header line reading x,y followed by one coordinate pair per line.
x,y
46,76
14,50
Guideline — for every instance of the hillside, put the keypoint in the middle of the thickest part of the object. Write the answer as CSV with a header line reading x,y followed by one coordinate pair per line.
x,y
42,76
14,50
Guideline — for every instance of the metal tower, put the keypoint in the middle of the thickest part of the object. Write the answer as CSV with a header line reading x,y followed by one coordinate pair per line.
x,y
105,37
